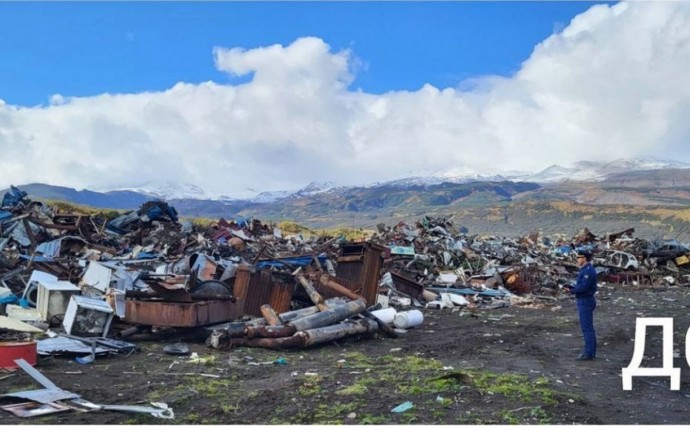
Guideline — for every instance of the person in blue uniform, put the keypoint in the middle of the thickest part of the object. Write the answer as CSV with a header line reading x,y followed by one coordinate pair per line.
x,y
584,290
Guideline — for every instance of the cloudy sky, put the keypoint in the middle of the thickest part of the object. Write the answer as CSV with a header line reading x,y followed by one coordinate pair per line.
x,y
586,82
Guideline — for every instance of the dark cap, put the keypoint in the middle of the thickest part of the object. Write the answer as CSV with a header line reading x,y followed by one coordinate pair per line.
x,y
587,255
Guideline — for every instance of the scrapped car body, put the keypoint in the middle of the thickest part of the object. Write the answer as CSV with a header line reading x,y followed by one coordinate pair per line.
x,y
622,260
668,249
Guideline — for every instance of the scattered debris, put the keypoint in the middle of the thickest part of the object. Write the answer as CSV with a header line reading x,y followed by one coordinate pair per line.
x,y
143,274
52,399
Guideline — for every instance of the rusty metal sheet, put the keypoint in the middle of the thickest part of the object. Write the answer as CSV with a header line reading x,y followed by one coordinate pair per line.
x,y
281,293
241,283
258,293
350,270
269,287
406,285
240,286
170,292
174,314
365,271
371,273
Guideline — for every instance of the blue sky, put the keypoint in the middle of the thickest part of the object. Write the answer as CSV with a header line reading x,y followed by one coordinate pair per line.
x,y
85,49
240,98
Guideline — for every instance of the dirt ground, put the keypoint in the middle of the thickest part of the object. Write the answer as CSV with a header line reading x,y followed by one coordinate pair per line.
x,y
507,365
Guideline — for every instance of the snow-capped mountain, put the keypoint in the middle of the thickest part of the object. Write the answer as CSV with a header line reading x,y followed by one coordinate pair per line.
x,y
579,171
315,188
594,170
167,190
271,196
557,173
454,175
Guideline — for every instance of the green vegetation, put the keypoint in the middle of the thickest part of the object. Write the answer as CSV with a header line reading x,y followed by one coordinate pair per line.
x,y
349,388
310,387
514,386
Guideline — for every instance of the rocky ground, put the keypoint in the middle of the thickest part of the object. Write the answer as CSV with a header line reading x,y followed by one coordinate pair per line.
x,y
508,365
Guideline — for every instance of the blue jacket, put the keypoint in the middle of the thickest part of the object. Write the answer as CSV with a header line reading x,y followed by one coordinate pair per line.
x,y
586,284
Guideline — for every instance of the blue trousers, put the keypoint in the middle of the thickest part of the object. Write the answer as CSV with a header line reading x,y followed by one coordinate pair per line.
x,y
585,308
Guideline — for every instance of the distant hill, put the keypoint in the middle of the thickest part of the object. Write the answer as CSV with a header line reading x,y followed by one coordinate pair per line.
x,y
656,202
663,187
127,200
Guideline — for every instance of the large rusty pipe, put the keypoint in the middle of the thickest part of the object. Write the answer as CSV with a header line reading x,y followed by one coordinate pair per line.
x,y
236,329
336,331
330,316
270,331
313,294
327,281
320,319
270,315
311,337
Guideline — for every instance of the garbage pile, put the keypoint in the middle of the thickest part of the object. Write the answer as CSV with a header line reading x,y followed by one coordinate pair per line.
x,y
93,281
441,264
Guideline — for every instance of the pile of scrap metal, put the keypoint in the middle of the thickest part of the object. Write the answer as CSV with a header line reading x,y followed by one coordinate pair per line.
x,y
437,265
326,321
321,314
145,271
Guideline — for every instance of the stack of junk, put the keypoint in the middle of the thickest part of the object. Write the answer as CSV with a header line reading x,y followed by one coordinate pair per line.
x,y
86,284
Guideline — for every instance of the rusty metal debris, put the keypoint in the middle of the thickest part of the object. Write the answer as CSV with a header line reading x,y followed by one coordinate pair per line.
x,y
246,281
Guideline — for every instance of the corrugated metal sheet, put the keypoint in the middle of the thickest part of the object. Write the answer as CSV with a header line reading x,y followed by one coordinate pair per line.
x,y
361,263
371,272
253,290
241,286
258,293
282,289
65,344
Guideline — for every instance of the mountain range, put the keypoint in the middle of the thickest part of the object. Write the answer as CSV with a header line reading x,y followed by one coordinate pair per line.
x,y
579,171
640,183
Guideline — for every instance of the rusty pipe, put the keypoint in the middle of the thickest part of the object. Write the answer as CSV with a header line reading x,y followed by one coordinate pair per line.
x,y
270,315
328,282
236,329
313,294
337,331
320,319
270,331
331,316
311,337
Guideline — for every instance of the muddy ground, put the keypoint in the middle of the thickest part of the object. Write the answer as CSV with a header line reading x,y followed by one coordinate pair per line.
x,y
507,365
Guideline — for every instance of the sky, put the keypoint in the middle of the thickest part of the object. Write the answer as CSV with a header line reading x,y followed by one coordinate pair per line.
x,y
243,97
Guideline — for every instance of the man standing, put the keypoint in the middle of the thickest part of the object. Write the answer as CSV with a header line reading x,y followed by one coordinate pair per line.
x,y
584,290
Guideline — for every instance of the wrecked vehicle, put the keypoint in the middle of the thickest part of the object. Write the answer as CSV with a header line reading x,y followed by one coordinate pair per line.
x,y
668,249
621,260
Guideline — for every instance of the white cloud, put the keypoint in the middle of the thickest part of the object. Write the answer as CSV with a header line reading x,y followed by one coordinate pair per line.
x,y
612,83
